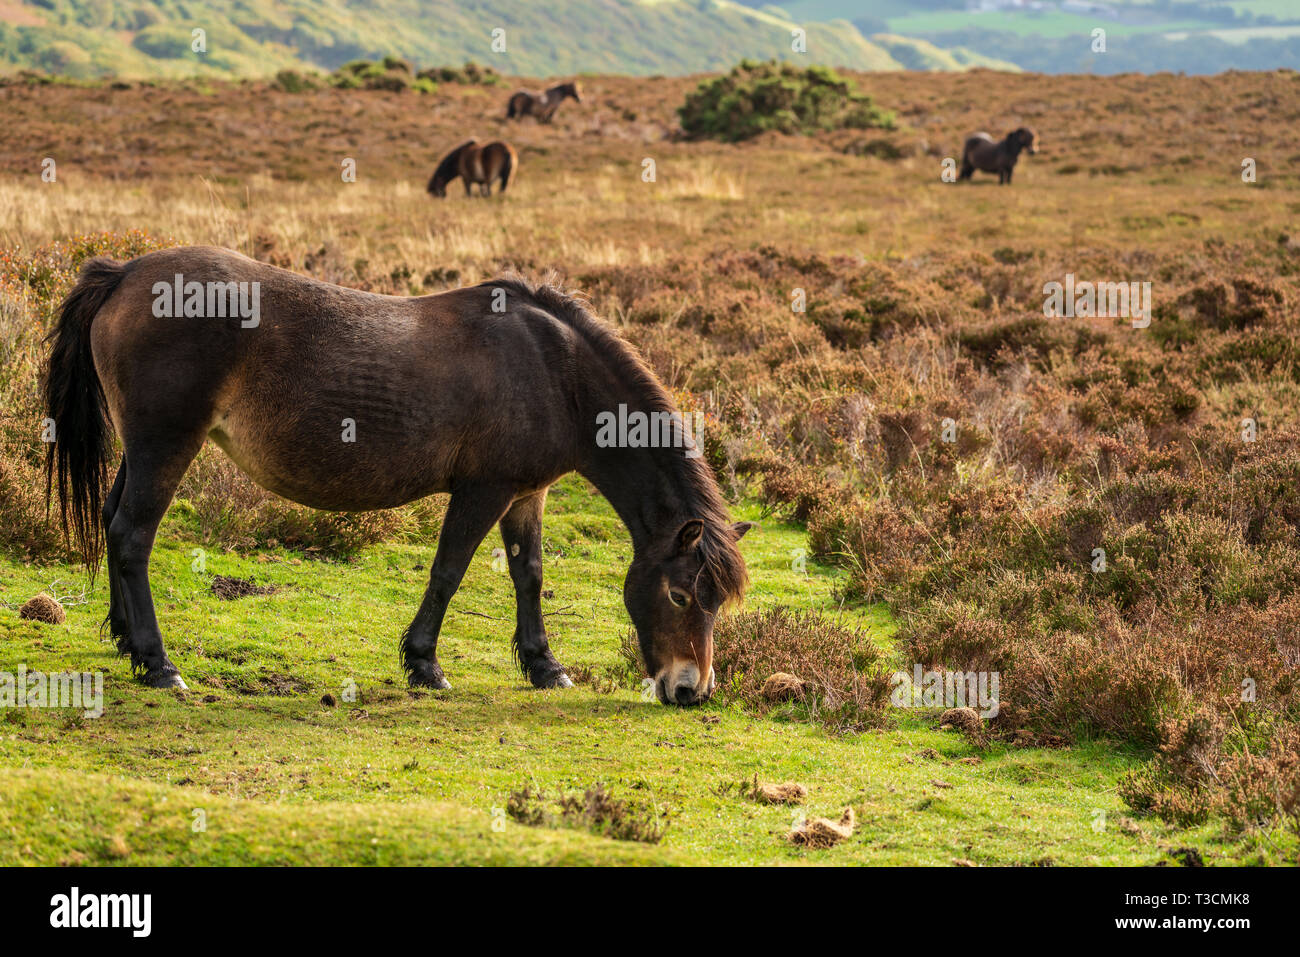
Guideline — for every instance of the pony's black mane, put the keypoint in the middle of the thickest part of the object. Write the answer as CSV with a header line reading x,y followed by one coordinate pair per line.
x,y
704,501
448,169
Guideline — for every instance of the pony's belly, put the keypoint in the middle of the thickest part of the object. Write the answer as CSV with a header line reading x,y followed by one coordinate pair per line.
x,y
339,479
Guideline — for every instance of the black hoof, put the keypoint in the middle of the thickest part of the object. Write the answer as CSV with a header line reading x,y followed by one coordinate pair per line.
x,y
166,677
549,674
436,680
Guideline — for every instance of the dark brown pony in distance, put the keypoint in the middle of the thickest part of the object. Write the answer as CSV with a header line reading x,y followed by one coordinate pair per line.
x,y
475,165
982,152
346,400
541,105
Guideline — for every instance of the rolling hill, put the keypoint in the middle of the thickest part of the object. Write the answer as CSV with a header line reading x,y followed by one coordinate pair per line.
x,y
143,38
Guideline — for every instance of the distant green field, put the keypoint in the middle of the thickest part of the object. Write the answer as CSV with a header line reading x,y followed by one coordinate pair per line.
x,y
904,18
1246,34
1054,24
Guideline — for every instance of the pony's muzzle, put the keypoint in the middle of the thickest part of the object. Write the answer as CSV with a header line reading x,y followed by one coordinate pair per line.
x,y
680,683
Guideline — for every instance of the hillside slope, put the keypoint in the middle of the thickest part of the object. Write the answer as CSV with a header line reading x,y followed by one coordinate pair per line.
x,y
142,38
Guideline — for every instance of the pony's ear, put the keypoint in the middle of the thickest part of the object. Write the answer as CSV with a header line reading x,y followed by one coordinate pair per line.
x,y
740,528
688,536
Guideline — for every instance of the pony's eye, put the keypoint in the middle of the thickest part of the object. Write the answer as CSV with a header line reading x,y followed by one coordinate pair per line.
x,y
678,598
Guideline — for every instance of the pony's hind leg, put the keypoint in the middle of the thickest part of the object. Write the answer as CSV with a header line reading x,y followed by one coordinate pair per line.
x,y
152,476
116,619
471,513
521,532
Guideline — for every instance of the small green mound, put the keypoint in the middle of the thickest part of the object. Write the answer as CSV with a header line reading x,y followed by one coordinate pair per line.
x,y
759,97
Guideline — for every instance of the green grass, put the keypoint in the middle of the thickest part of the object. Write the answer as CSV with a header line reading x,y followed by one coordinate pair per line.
x,y
400,778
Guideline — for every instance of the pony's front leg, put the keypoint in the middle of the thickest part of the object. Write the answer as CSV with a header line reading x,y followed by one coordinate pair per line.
x,y
472,512
521,532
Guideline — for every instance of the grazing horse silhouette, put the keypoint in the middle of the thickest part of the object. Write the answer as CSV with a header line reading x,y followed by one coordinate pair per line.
x,y
475,165
982,152
541,105
346,400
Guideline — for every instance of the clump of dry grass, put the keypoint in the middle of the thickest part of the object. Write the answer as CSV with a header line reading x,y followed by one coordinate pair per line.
x,y
822,832
789,792
45,608
596,810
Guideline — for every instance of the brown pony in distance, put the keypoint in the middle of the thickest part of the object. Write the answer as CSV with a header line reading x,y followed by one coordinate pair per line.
x,y
541,105
346,400
982,152
475,165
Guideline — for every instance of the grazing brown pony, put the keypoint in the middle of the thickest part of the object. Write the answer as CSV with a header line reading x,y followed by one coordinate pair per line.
x,y
348,401
541,105
475,165
982,152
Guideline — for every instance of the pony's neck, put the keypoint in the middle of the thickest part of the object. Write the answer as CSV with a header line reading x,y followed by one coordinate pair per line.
x,y
643,490
650,488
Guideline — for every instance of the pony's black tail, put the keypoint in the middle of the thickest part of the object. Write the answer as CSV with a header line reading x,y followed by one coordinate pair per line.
x,y
74,399
510,109
507,169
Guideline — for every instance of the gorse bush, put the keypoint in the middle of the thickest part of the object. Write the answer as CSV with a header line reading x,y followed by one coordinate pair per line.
x,y
390,74
396,75
776,96
292,81
471,74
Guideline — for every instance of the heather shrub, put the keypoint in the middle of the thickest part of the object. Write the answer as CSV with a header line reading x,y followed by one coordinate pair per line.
x,y
846,682
1078,506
